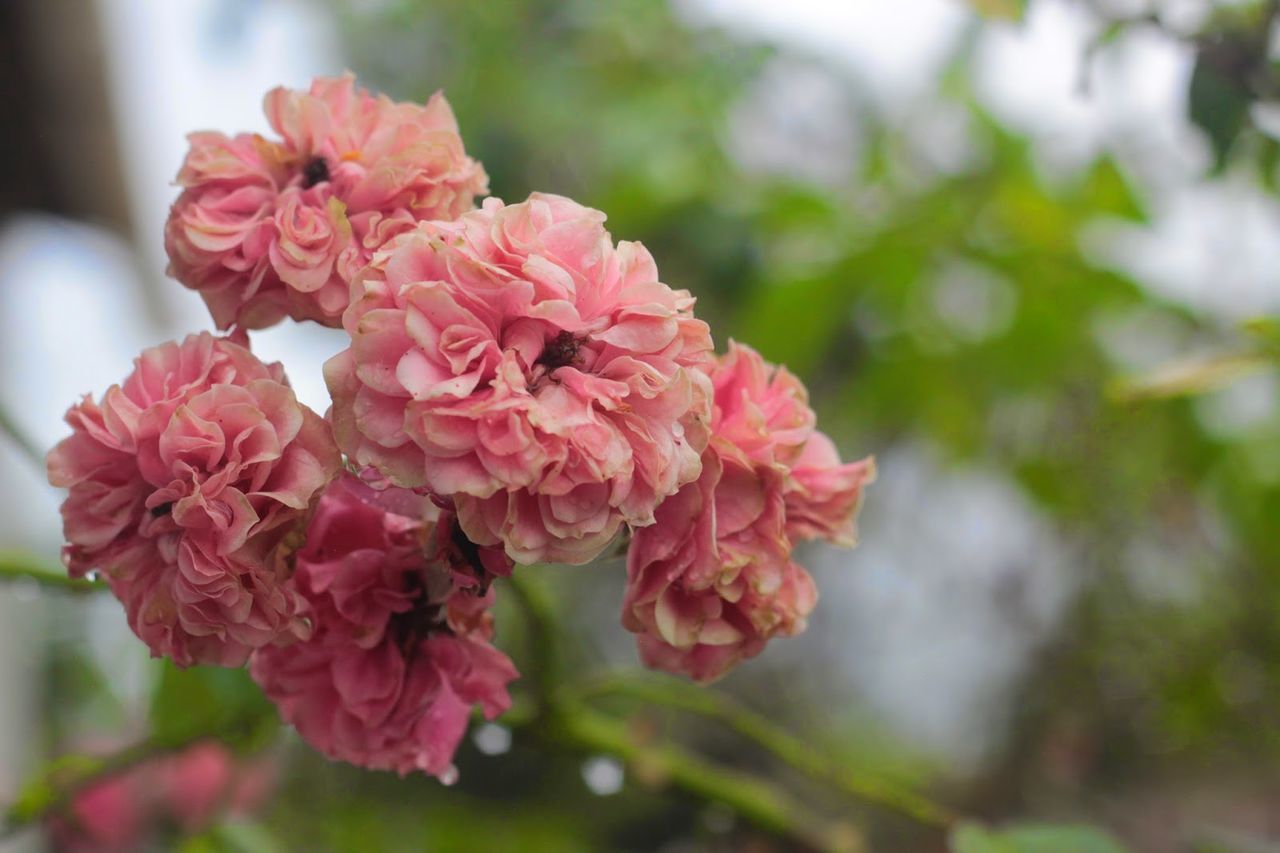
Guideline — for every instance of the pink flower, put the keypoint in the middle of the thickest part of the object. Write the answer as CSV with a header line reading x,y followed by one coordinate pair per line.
x,y
713,581
265,229
192,789
400,653
182,482
518,363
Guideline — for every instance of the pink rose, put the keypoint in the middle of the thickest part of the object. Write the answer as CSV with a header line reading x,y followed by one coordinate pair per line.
x,y
400,652
265,229
713,581
182,483
192,789
520,364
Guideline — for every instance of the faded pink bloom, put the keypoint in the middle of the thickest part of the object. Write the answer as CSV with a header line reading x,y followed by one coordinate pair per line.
x,y
182,481
192,790
266,229
399,653
519,364
713,581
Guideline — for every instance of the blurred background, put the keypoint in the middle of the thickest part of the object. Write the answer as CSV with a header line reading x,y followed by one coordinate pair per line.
x,y
968,227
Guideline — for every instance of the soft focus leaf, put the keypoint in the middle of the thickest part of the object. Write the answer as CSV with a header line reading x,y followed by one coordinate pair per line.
x,y
1033,838
1217,104
1188,378
1009,10
216,700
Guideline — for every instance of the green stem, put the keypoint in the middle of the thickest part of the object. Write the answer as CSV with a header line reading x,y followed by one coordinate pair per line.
x,y
763,805
561,721
54,788
781,744
19,566
9,427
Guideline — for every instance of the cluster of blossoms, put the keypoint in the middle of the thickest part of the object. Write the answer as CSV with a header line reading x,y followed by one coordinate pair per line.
x,y
517,389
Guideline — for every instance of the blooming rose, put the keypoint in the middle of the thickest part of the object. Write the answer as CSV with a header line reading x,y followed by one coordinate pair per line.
x,y
713,580
265,228
182,482
518,363
400,652
192,789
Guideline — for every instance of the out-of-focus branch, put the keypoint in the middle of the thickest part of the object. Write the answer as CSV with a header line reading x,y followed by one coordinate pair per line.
x,y
20,566
54,788
9,427
781,744
563,721
765,806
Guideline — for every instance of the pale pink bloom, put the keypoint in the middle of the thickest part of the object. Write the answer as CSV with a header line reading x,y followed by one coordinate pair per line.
x,y
399,653
518,363
183,480
713,581
266,229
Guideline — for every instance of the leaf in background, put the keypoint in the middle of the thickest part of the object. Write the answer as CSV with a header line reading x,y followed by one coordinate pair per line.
x,y
1033,838
1188,378
213,700
1217,101
1007,10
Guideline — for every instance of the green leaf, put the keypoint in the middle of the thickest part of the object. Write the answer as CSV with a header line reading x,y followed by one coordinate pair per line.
x,y
1217,104
1189,378
214,700
1005,10
1033,838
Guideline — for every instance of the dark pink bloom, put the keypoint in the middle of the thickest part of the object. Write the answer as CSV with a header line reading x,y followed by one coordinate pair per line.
x,y
519,364
182,482
265,229
400,653
712,581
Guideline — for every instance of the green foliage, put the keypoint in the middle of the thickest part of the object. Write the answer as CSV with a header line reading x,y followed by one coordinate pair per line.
x,y
208,699
1032,838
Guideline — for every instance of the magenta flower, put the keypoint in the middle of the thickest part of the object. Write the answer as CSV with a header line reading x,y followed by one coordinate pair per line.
x,y
182,483
520,364
713,581
399,653
266,229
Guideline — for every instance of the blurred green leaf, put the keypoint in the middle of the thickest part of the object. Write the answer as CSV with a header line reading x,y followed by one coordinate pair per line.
x,y
1033,838
1009,10
1188,378
1217,99
217,701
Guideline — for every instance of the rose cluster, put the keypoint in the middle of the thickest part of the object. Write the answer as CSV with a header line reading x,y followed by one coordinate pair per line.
x,y
517,389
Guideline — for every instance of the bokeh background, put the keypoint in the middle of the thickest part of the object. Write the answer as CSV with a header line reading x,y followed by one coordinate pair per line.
x,y
966,226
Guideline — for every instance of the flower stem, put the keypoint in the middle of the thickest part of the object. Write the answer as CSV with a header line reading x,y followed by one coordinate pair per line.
x,y
781,744
563,721
10,428
53,788
20,566
765,806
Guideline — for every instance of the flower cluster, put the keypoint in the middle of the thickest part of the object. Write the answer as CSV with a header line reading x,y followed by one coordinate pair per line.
x,y
518,388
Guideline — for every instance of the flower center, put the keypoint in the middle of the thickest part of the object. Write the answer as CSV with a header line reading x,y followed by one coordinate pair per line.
x,y
425,618
560,351
314,172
